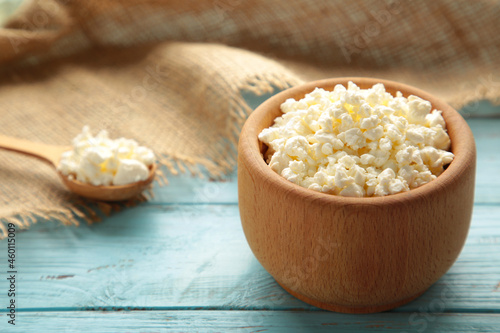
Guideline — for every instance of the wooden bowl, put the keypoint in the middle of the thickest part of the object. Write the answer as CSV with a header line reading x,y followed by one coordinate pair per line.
x,y
355,255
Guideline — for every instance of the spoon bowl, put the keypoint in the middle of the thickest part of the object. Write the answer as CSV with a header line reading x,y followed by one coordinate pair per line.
x,y
52,154
108,193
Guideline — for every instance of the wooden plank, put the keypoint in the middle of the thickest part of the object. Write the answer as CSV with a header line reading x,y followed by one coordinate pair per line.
x,y
196,256
480,109
247,321
487,135
185,189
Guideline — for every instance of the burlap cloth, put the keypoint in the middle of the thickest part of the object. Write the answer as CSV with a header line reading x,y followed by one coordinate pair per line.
x,y
171,74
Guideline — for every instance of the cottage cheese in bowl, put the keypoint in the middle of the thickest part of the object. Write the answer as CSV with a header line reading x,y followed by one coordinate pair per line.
x,y
358,142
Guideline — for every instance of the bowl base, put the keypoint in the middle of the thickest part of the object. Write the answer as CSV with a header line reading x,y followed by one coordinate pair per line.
x,y
349,309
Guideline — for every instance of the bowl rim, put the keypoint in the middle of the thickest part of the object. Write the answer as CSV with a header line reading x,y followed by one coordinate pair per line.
x,y
462,143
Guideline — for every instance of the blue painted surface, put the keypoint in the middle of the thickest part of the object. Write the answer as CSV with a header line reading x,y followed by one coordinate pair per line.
x,y
181,263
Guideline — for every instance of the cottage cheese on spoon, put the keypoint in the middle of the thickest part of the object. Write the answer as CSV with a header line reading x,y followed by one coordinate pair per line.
x,y
358,142
99,160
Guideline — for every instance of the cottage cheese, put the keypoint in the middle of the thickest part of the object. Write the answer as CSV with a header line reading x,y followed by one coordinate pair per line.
x,y
98,160
358,142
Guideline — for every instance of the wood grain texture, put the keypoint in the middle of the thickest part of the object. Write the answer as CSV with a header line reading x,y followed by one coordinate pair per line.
x,y
189,257
354,255
48,153
190,190
250,322
487,135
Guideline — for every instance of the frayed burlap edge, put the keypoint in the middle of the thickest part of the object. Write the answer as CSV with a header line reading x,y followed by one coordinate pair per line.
x,y
481,91
239,111
73,213
70,214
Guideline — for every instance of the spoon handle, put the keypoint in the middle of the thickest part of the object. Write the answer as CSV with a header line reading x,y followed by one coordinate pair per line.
x,y
49,153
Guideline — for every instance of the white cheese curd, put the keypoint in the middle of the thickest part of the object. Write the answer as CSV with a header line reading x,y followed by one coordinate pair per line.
x,y
99,160
358,142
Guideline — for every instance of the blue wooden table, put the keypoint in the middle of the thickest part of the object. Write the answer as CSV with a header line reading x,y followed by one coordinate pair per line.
x,y
180,263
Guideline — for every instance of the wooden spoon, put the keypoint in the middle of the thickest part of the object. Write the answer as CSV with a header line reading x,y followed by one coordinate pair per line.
x,y
52,154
